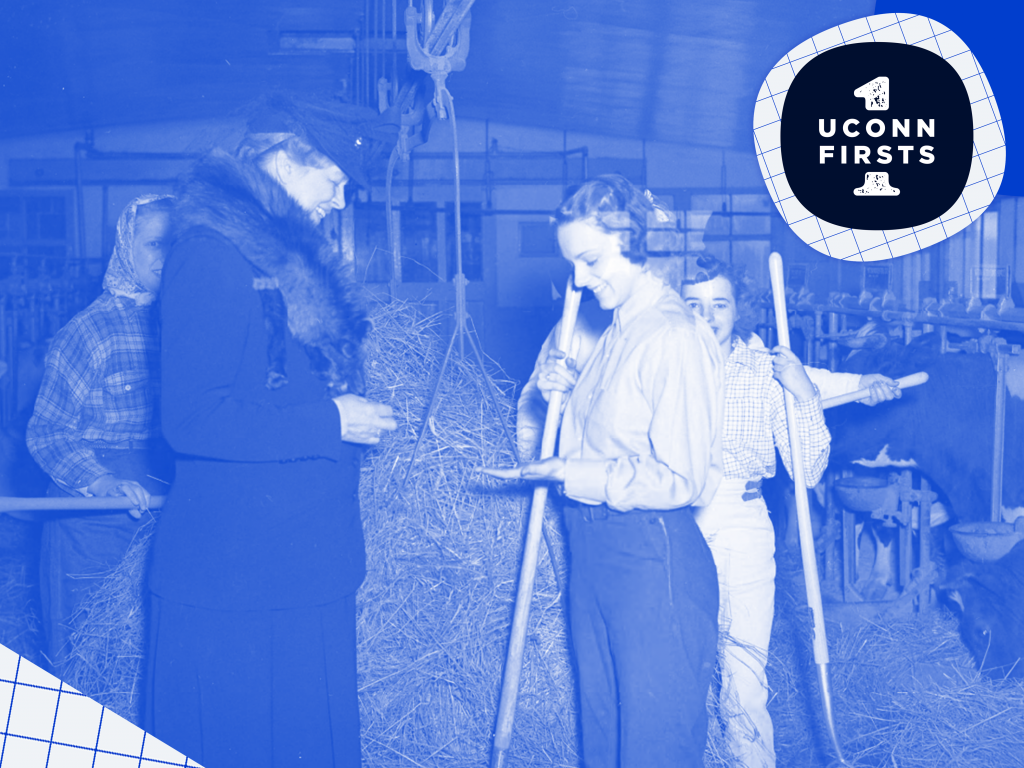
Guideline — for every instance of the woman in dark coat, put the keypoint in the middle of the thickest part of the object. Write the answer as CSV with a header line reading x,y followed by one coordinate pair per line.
x,y
259,550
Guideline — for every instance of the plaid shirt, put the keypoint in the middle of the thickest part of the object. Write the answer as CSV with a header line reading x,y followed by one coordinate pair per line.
x,y
99,389
755,419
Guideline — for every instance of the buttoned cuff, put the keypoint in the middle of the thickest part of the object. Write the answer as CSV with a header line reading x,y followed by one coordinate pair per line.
x,y
585,480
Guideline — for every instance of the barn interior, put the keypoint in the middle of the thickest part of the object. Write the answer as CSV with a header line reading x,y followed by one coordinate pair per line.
x,y
103,102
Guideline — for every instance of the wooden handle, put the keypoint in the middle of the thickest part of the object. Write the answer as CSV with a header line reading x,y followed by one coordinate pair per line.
x,y
524,595
913,380
779,298
803,512
72,503
570,311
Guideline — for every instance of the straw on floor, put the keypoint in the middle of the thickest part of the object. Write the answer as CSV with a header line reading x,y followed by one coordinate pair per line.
x,y
443,550
435,611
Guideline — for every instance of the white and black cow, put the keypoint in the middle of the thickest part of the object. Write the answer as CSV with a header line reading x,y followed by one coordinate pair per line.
x,y
945,428
989,599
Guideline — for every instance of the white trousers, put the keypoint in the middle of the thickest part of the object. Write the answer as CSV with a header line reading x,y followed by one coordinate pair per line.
x,y
742,541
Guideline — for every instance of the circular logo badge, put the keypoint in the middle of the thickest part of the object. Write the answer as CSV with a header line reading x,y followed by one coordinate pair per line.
x,y
879,137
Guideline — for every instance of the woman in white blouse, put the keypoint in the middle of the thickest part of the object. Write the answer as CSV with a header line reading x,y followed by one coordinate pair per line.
x,y
639,447
736,522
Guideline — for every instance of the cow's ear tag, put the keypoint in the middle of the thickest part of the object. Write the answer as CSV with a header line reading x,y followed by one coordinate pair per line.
x,y
955,597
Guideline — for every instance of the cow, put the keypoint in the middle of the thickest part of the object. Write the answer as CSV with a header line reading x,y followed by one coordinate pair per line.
x,y
944,428
988,598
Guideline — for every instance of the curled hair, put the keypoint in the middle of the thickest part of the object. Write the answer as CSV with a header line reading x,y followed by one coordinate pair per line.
x,y
615,206
259,147
743,289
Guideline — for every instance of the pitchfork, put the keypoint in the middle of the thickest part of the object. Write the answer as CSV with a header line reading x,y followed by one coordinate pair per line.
x,y
803,516
516,645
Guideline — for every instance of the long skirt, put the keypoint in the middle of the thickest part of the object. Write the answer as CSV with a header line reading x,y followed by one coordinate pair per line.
x,y
643,611
742,541
260,689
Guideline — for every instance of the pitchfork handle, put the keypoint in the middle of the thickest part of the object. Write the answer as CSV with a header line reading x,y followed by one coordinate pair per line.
x,y
803,514
516,645
72,503
912,380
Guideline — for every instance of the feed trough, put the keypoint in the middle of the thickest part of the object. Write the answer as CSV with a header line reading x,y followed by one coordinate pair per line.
x,y
985,542
867,494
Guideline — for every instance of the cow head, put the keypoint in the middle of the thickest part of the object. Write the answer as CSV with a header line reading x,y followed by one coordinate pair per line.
x,y
987,601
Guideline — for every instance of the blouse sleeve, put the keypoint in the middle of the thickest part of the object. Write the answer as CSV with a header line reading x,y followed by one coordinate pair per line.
x,y
814,435
679,382
207,287
832,384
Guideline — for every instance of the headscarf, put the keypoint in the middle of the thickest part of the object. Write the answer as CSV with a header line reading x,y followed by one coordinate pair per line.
x,y
121,279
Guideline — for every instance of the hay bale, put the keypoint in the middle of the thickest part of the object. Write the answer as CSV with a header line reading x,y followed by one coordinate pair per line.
x,y
444,549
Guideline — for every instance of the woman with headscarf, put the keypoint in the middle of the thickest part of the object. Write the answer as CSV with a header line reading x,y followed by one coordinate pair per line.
x,y
259,549
94,429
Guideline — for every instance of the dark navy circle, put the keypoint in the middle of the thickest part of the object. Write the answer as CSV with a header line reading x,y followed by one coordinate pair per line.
x,y
924,92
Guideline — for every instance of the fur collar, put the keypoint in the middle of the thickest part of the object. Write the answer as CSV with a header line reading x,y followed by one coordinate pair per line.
x,y
300,280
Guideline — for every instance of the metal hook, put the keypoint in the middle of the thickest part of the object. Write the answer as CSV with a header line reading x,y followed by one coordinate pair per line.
x,y
437,66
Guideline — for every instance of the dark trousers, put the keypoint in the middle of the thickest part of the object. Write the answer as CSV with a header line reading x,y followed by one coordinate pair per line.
x,y
643,610
77,551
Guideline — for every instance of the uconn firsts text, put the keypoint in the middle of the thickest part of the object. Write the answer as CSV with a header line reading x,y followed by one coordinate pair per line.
x,y
883,154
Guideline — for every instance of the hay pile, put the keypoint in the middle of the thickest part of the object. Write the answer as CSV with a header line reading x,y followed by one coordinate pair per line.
x,y
20,628
908,695
434,614
443,553
905,691
107,642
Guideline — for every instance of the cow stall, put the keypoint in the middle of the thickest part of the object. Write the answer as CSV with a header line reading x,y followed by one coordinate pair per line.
x,y
903,467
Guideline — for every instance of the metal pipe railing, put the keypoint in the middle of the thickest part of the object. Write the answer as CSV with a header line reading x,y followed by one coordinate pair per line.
x,y
909,320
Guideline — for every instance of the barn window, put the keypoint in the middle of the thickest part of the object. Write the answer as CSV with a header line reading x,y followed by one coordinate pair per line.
x,y
419,243
34,235
373,259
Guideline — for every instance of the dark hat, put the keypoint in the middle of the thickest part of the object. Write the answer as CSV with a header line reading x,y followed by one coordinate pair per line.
x,y
350,135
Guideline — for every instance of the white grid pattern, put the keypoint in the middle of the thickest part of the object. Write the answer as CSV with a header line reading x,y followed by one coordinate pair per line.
x,y
987,164
50,725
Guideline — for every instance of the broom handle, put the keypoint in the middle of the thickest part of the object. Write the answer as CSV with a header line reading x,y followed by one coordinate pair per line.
x,y
514,661
803,513
912,380
72,503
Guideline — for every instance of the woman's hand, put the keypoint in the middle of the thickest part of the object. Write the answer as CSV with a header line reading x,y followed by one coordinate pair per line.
x,y
364,421
790,373
549,470
556,376
109,485
882,388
